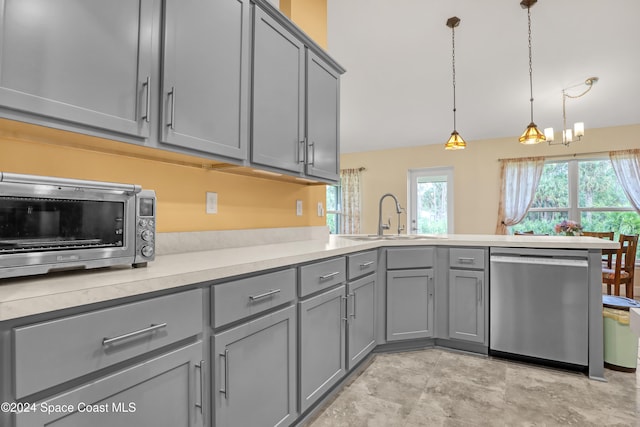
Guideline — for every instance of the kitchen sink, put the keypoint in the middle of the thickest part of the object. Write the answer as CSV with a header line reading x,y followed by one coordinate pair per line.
x,y
370,237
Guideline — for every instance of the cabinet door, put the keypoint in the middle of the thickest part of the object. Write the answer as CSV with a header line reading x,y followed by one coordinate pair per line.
x,y
254,372
165,391
361,304
205,76
79,61
466,305
409,304
322,119
322,344
278,96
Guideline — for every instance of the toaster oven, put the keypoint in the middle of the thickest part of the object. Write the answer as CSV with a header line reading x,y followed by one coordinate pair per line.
x,y
49,224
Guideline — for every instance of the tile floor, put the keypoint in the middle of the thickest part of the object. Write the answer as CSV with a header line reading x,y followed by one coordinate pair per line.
x,y
437,387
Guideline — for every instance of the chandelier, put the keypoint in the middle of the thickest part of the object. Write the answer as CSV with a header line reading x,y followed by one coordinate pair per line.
x,y
568,135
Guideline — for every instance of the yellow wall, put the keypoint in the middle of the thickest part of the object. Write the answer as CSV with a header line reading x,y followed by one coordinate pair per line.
x,y
243,202
310,15
476,173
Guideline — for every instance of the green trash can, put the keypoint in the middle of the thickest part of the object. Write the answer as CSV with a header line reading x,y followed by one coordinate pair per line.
x,y
620,343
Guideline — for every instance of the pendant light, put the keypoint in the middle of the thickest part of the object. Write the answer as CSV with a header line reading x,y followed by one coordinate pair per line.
x,y
531,135
455,142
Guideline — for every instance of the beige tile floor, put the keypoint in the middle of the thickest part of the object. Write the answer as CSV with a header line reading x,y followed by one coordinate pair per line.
x,y
436,387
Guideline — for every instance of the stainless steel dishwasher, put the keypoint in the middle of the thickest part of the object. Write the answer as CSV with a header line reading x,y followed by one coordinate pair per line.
x,y
540,304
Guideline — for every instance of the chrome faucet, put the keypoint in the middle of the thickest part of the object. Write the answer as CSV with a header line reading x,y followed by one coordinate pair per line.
x,y
399,210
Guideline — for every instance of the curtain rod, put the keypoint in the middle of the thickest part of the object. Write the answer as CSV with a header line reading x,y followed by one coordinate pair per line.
x,y
557,156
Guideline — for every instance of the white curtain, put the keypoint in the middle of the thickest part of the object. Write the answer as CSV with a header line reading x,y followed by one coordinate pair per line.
x,y
519,182
351,198
626,164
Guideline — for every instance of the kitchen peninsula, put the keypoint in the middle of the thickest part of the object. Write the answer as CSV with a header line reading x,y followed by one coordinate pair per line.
x,y
193,313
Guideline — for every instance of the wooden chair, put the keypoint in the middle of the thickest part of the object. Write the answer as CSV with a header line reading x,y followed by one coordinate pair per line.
x,y
607,257
521,233
622,273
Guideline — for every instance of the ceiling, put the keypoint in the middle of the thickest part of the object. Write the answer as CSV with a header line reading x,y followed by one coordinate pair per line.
x,y
397,90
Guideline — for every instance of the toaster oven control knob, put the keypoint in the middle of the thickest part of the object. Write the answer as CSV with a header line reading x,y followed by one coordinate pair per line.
x,y
147,251
142,223
147,235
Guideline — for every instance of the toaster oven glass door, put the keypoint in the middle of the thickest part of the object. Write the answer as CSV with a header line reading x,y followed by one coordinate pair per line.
x,y
38,224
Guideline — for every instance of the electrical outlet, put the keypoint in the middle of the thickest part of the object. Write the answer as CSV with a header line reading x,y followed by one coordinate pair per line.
x,y
299,207
212,203
320,209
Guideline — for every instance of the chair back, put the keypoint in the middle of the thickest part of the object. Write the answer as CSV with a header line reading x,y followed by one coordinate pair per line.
x,y
626,257
599,234
521,233
607,259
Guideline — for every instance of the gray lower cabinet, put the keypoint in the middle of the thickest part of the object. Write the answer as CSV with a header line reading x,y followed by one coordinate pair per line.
x,y
323,88
322,344
278,95
410,304
467,296
83,62
205,79
254,372
164,391
361,315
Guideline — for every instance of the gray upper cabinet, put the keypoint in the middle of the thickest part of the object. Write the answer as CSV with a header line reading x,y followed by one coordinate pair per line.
x,y
205,83
80,62
278,95
323,88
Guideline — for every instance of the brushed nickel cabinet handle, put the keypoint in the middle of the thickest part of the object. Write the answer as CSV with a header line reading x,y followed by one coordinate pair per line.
x,y
353,314
346,309
147,113
463,260
329,276
202,379
152,328
225,390
301,146
312,145
172,94
366,264
480,294
266,294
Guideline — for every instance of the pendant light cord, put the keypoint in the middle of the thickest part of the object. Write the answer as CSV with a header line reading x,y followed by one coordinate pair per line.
x,y
453,67
530,63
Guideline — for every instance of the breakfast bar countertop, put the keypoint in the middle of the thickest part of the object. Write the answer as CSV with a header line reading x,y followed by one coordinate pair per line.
x,y
32,295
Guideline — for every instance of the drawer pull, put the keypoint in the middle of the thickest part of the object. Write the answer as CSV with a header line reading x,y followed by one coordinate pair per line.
x,y
225,390
152,328
202,379
366,264
329,276
353,295
266,294
462,260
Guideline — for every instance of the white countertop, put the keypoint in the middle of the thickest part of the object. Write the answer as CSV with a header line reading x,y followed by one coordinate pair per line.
x,y
39,294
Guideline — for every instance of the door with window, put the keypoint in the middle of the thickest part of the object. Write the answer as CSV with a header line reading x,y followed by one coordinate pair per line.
x,y
430,201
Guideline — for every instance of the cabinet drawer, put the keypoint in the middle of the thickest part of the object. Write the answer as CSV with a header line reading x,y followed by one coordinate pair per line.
x,y
361,264
322,275
409,258
466,258
235,300
50,353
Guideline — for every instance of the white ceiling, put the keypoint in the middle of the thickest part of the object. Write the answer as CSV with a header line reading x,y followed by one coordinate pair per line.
x,y
397,90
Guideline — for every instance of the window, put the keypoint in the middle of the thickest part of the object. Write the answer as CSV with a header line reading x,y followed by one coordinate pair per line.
x,y
586,191
431,201
334,208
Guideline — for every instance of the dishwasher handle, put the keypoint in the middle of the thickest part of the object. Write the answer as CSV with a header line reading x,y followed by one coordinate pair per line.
x,y
539,260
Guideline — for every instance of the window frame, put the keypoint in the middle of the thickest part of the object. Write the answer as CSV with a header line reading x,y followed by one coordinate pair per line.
x,y
338,213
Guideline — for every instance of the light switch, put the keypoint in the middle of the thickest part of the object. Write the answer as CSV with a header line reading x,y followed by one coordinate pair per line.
x,y
299,207
320,209
212,203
